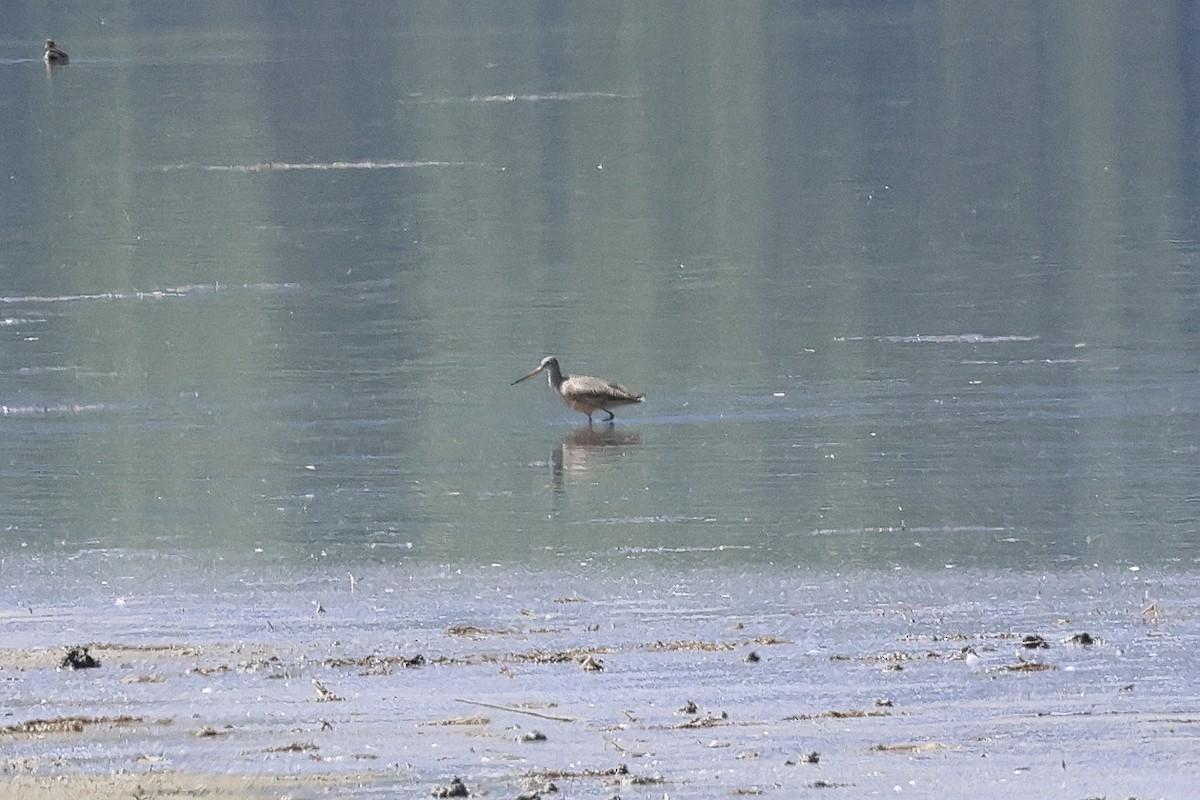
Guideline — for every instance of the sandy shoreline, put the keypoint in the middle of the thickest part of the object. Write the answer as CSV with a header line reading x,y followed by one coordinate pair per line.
x,y
680,693
154,784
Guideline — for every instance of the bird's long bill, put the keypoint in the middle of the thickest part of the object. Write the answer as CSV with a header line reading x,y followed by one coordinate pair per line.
x,y
527,377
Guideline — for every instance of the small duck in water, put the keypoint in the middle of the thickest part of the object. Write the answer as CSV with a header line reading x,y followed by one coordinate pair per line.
x,y
53,54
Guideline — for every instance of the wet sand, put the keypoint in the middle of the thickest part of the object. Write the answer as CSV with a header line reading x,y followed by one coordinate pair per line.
x,y
631,680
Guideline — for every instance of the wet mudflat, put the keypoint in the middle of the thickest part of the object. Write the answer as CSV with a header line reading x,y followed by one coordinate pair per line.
x,y
605,680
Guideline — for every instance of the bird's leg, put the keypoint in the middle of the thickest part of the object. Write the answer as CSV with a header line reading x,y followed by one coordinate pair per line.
x,y
610,414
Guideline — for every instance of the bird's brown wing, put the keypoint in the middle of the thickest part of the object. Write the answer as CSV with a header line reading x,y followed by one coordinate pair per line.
x,y
599,392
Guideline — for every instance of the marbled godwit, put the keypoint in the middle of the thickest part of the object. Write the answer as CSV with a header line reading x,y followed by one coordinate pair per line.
x,y
53,54
583,393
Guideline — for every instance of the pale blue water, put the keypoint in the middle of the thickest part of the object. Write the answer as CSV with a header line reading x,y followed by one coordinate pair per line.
x,y
901,286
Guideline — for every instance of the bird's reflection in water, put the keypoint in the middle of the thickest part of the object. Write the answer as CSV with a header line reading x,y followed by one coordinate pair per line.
x,y
588,446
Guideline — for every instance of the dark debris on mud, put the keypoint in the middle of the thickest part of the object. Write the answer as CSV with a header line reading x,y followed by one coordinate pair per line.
x,y
894,661
853,713
375,664
456,788
620,770
1025,666
74,724
78,657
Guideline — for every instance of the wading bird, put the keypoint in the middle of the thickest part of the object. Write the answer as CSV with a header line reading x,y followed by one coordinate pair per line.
x,y
53,54
583,393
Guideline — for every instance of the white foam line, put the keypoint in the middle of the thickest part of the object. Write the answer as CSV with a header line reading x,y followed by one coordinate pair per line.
x,y
287,166
524,98
941,338
148,294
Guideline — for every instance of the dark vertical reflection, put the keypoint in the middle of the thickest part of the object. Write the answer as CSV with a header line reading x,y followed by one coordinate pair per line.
x,y
924,261
555,73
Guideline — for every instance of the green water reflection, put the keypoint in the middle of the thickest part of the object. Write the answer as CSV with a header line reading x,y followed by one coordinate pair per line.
x,y
912,283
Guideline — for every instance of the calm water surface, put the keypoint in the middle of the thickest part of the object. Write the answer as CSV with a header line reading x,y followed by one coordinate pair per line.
x,y
905,286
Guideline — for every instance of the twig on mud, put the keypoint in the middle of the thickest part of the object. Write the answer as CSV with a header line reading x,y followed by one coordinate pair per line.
x,y
608,740
516,710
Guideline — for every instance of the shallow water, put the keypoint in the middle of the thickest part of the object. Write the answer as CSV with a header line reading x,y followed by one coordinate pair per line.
x,y
235,320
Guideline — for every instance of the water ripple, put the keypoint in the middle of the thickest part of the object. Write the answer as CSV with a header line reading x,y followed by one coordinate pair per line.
x,y
524,98
288,166
147,294
941,338
57,409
